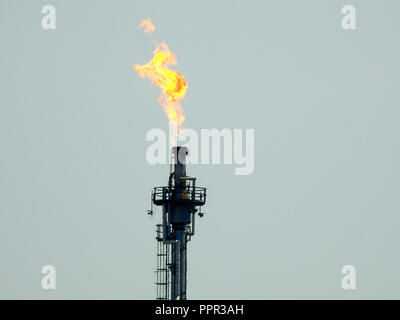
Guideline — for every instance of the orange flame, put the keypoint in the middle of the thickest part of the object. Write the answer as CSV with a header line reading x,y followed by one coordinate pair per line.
x,y
147,25
172,83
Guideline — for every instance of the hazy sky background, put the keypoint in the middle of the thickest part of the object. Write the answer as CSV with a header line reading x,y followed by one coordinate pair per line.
x,y
324,103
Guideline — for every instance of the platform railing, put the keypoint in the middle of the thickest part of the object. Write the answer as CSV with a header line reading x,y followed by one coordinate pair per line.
x,y
197,194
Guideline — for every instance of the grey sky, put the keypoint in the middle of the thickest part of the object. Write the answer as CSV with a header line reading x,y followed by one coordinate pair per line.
x,y
324,103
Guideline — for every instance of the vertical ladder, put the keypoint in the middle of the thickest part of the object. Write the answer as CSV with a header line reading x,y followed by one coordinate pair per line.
x,y
162,268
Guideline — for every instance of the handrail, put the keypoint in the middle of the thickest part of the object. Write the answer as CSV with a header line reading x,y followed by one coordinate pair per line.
x,y
161,193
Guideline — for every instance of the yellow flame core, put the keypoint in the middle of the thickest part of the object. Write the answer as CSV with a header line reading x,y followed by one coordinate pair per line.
x,y
172,83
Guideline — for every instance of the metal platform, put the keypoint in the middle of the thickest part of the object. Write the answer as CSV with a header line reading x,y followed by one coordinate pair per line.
x,y
196,195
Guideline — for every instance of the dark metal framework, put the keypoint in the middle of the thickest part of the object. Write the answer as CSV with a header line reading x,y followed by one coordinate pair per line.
x,y
181,200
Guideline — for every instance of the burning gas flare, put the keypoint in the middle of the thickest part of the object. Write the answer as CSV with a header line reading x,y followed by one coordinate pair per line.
x,y
147,25
172,83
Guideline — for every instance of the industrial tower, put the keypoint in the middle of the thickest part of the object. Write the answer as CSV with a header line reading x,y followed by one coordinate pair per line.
x,y
180,201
